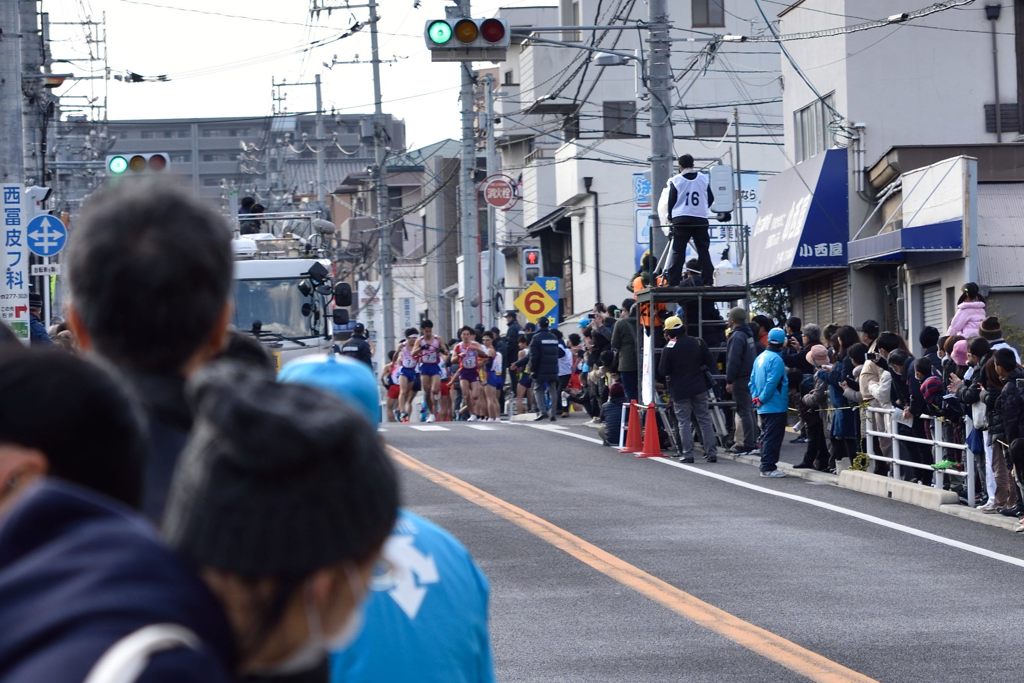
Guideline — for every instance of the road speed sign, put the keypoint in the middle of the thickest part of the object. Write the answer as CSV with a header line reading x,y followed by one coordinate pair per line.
x,y
534,303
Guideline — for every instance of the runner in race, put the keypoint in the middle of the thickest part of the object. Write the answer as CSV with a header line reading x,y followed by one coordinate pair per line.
x,y
495,381
389,378
429,349
407,374
467,353
444,392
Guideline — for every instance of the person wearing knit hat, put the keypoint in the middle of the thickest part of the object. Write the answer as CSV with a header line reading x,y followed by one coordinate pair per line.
x,y
283,499
992,331
959,354
446,633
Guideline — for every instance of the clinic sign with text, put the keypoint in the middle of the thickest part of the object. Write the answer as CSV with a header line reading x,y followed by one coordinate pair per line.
x,y
14,285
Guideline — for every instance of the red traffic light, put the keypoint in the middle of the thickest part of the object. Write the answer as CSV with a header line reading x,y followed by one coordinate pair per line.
x,y
532,257
492,30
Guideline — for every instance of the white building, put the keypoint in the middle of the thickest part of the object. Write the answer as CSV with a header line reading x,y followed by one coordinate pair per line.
x,y
577,133
890,203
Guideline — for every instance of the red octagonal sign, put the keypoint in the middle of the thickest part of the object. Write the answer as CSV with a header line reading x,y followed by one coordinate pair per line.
x,y
500,192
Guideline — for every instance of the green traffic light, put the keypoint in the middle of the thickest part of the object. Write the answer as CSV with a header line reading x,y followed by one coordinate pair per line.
x,y
439,32
117,165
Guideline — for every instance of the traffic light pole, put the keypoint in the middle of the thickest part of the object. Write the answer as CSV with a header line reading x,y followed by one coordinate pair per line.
x,y
381,195
469,230
492,238
321,195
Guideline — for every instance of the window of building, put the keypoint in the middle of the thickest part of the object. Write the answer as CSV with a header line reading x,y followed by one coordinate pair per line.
x,y
813,127
620,119
708,13
211,182
181,157
148,134
507,79
710,128
218,156
571,127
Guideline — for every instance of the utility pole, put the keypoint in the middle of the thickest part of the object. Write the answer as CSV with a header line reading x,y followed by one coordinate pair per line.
x,y
384,227
12,163
321,195
742,240
660,87
492,238
467,195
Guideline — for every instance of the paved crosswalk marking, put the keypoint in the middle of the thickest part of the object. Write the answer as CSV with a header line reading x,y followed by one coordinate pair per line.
x,y
429,428
482,428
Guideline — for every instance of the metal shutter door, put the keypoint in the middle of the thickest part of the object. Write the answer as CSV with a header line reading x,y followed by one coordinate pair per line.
x,y
840,300
931,306
825,313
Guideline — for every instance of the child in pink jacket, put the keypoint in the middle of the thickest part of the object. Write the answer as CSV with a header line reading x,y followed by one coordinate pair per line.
x,y
970,313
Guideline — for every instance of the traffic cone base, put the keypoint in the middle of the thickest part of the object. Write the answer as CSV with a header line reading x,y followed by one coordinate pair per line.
x,y
633,443
652,444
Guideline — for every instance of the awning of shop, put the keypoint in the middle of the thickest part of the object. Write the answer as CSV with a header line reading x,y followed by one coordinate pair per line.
x,y
896,245
549,221
803,221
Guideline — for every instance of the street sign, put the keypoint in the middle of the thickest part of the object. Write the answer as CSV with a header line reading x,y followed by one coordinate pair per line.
x,y
46,235
46,269
534,303
500,191
552,286
15,281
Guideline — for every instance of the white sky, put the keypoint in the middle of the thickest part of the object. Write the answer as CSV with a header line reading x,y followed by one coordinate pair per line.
x,y
223,66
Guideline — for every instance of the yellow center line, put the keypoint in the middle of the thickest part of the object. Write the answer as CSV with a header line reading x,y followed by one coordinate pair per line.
x,y
754,638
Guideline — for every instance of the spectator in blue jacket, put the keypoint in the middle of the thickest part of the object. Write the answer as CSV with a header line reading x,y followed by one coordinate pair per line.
x,y
769,388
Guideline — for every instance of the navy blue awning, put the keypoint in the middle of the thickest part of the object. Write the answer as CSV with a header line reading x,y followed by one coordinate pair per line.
x,y
895,246
803,221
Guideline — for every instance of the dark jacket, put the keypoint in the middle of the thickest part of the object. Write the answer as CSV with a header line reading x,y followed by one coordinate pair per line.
x,y
79,572
357,347
683,363
37,332
544,353
740,353
611,415
624,341
169,420
511,349
1004,419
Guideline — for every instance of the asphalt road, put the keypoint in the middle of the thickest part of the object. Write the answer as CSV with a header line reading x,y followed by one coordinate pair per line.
x,y
877,586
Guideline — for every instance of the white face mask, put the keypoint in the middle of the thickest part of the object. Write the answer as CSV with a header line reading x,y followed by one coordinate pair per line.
x,y
319,643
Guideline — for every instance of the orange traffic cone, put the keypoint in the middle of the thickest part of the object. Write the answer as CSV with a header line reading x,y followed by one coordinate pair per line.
x,y
652,445
633,443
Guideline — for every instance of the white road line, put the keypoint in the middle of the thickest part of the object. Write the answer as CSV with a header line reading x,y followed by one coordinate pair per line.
x,y
557,429
429,428
482,428
870,519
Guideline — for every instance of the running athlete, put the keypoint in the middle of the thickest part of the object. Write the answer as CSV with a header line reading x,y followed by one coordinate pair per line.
x,y
467,354
495,381
444,391
389,378
429,349
407,374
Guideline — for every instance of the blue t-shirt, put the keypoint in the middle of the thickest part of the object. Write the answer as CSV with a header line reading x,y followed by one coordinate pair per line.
x,y
426,617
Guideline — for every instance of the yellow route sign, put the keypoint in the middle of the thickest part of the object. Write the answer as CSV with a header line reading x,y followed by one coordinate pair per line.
x,y
534,303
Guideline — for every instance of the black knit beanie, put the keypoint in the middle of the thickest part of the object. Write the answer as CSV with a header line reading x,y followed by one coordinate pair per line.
x,y
277,479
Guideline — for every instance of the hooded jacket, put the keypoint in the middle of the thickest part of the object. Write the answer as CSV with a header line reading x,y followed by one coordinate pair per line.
x,y
769,384
78,572
740,352
968,319
544,353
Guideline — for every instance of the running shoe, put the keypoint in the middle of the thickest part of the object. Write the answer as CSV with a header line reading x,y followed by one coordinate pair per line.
x,y
774,474
430,418
472,418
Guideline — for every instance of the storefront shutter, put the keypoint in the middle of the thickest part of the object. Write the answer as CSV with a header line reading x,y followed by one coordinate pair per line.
x,y
931,306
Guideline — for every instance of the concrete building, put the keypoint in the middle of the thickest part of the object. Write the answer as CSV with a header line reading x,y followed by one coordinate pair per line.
x,y
271,158
896,152
576,134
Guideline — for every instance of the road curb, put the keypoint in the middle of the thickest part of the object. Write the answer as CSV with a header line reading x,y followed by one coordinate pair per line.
x,y
903,491
808,474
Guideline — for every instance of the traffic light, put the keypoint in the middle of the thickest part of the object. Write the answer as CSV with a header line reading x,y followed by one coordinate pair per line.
x,y
462,39
121,164
531,263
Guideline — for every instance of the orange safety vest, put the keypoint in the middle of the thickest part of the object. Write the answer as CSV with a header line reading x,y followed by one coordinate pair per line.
x,y
645,318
